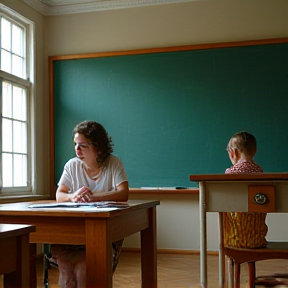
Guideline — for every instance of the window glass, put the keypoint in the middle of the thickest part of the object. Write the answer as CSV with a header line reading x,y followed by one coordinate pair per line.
x,y
7,100
19,103
19,137
17,65
16,46
7,172
14,132
6,61
12,50
19,169
5,34
7,140
17,40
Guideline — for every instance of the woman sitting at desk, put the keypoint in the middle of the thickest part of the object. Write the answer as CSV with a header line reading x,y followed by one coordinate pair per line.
x,y
93,175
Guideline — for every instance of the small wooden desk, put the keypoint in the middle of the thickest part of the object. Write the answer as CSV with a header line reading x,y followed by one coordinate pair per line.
x,y
14,254
97,230
229,193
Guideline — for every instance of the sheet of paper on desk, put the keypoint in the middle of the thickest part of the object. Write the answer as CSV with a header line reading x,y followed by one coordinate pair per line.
x,y
85,209
94,209
99,205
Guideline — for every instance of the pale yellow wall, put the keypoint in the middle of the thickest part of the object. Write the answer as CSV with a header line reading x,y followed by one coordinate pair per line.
x,y
166,25
195,22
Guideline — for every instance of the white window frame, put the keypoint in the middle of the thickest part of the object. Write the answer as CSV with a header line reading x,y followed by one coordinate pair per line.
x,y
29,84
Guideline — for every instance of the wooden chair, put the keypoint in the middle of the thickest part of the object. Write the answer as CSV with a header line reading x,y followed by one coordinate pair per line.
x,y
260,199
274,250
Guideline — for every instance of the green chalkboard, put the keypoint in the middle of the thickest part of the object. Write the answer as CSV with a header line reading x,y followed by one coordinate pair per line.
x,y
171,114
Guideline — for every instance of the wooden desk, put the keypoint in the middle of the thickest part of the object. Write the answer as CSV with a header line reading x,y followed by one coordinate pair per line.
x,y
14,254
229,193
97,230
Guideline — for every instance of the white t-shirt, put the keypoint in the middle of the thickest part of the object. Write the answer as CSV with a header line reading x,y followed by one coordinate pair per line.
x,y
111,175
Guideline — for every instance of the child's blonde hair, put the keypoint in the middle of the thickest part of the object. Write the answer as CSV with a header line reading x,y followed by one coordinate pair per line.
x,y
243,142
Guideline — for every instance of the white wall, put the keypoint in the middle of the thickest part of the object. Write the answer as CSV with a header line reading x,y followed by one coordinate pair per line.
x,y
178,223
194,22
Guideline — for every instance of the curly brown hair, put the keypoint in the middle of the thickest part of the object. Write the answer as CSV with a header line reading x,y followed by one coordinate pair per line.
x,y
97,136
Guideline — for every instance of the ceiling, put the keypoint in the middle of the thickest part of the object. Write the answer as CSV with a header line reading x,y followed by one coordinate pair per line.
x,y
60,7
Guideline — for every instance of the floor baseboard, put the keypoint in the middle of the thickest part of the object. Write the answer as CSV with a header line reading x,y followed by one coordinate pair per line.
x,y
171,251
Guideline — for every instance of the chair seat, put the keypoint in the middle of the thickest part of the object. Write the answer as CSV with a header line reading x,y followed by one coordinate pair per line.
x,y
273,250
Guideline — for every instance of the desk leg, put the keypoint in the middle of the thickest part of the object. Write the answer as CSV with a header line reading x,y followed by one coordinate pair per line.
x,y
21,277
98,254
221,255
203,236
149,252
33,274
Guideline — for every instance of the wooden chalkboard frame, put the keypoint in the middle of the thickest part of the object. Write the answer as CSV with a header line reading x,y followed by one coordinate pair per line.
x,y
52,59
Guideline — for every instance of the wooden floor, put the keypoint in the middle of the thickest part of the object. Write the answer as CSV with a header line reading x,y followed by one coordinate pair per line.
x,y
174,271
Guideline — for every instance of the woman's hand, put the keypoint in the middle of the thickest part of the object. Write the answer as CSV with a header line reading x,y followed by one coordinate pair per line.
x,y
82,195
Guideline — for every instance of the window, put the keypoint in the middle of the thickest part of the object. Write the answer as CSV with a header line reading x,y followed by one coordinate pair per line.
x,y
16,90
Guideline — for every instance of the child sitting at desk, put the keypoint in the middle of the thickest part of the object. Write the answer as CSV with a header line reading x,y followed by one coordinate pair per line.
x,y
243,230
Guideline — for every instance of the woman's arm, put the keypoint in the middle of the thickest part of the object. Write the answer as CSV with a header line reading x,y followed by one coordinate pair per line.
x,y
120,194
84,194
63,195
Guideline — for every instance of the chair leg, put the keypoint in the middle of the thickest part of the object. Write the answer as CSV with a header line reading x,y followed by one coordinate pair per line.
x,y
46,263
237,275
252,274
46,266
230,272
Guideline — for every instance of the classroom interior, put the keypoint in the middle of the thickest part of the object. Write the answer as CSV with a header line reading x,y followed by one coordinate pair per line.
x,y
145,27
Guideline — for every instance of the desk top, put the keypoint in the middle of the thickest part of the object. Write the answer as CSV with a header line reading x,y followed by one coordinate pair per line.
x,y
239,177
12,230
21,208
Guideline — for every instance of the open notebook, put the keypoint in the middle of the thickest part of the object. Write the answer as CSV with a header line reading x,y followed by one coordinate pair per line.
x,y
102,204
